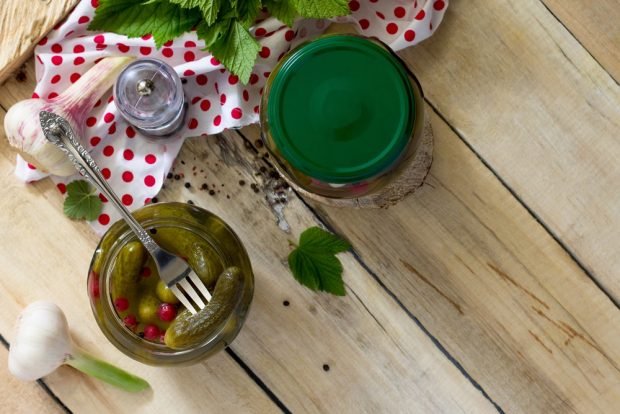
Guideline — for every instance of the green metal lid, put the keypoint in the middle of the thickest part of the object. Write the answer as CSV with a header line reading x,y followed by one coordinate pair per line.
x,y
341,109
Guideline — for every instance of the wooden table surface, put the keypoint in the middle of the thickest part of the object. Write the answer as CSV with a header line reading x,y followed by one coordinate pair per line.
x,y
493,289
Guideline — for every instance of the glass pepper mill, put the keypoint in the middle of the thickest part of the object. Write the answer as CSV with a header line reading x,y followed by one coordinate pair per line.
x,y
149,95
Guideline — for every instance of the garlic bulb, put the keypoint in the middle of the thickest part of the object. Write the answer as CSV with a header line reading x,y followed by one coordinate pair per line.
x,y
42,343
24,132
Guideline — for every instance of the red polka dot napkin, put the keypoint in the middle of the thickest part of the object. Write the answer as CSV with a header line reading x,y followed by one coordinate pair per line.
x,y
136,167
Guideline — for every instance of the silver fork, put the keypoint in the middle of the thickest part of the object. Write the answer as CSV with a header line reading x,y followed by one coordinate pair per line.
x,y
173,270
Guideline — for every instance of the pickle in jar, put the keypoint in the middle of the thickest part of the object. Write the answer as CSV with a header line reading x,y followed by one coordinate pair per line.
x,y
188,330
201,257
126,275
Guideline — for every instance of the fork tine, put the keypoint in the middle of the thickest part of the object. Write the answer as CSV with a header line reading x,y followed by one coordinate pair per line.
x,y
189,289
201,286
188,305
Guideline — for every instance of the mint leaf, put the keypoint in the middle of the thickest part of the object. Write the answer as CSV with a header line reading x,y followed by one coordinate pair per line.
x,y
82,201
208,8
237,50
283,10
134,18
314,263
321,9
222,24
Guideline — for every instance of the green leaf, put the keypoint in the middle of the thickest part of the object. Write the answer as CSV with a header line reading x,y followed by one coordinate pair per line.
x,y
283,10
222,24
82,201
314,263
315,238
321,9
211,34
134,18
247,11
237,50
208,8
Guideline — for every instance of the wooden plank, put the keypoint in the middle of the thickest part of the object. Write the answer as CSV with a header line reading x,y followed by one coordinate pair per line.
x,y
596,26
22,24
540,111
18,397
491,284
378,357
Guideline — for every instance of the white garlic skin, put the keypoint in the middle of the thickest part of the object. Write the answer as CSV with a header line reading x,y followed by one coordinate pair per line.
x,y
41,341
23,131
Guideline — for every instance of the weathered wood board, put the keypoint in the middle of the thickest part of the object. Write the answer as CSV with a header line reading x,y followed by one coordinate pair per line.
x,y
22,24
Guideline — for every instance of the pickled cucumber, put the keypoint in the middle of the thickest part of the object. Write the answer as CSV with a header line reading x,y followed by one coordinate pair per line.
x,y
147,308
126,271
102,253
201,257
165,294
188,330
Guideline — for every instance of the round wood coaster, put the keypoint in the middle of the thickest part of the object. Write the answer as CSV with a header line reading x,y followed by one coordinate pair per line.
x,y
413,172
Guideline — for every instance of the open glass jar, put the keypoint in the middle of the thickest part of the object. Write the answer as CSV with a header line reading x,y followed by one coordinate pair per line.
x,y
127,297
342,117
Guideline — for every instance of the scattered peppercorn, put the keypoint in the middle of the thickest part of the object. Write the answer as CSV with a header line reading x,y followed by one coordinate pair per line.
x,y
211,192
325,367
241,183
190,202
182,162
286,303
204,187
20,76
183,81
228,196
187,185
274,174
154,200
170,175
153,231
141,334
258,143
177,177
263,169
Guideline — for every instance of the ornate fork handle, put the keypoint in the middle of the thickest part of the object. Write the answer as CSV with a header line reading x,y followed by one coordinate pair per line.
x,y
58,131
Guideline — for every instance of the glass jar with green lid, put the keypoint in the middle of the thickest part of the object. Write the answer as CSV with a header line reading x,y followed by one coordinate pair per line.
x,y
343,117
140,315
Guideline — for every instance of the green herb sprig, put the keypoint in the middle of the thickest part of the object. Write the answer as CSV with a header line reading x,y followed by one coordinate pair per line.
x,y
82,202
222,24
314,263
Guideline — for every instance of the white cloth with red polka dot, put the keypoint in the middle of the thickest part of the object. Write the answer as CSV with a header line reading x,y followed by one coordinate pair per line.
x,y
137,167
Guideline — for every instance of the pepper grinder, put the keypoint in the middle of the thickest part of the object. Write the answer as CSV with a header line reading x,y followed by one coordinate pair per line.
x,y
149,95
